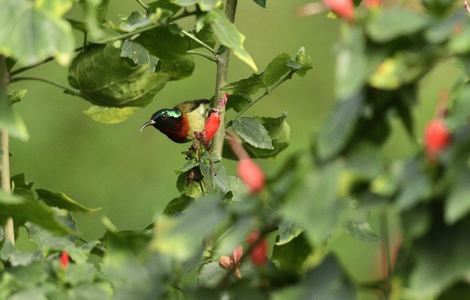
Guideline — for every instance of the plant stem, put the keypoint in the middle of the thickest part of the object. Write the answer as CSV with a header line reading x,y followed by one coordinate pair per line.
x,y
142,4
386,250
222,68
268,91
5,150
194,38
26,68
194,52
66,89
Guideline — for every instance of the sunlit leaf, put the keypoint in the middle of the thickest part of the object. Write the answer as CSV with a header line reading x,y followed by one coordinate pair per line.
x,y
109,115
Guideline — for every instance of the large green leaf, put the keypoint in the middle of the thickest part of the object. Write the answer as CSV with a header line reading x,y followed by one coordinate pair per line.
x,y
32,31
61,200
291,256
261,3
138,54
279,132
395,22
170,48
23,210
458,201
229,36
415,184
109,115
443,259
107,79
339,126
252,132
181,237
314,204
328,282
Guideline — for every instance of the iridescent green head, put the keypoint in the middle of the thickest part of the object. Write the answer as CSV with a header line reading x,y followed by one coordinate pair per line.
x,y
169,121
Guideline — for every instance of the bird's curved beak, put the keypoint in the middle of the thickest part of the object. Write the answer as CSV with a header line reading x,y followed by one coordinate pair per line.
x,y
148,123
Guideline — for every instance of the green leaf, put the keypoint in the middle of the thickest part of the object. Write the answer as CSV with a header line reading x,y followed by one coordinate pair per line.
x,y
314,204
279,132
442,260
61,200
361,230
48,242
246,87
109,115
394,23
229,36
95,17
351,64
277,68
9,119
135,21
204,5
16,257
458,203
416,185
177,205
328,282
32,211
46,34
139,55
16,95
55,7
337,130
171,49
92,291
253,132
181,237
292,255
107,79
287,232
238,102
261,3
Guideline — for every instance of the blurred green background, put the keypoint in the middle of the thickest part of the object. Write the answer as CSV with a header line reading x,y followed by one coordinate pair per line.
x,y
131,176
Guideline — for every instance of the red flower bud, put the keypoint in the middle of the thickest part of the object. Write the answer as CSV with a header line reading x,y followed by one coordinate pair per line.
x,y
436,138
251,174
343,8
259,253
211,126
237,254
64,260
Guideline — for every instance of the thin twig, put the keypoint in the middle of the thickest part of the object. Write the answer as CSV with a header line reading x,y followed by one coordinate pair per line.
x,y
386,250
5,151
267,92
194,52
26,68
194,38
66,89
142,4
221,78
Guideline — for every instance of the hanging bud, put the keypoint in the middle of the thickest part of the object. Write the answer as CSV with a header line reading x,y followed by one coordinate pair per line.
x,y
211,126
226,262
251,174
343,8
436,138
259,253
64,260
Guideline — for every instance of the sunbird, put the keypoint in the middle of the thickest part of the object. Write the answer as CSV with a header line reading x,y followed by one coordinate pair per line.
x,y
181,122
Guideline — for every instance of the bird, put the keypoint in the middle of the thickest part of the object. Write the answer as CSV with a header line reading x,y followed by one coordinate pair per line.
x,y
181,122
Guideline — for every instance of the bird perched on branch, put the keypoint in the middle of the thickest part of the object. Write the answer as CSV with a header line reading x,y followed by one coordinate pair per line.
x,y
182,122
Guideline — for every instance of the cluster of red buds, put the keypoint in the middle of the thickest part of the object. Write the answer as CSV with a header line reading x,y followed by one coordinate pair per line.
x,y
436,138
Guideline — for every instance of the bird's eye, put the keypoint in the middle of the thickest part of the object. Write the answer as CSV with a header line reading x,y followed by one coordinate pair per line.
x,y
164,116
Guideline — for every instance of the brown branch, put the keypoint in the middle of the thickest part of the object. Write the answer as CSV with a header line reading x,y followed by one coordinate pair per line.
x,y
222,68
5,150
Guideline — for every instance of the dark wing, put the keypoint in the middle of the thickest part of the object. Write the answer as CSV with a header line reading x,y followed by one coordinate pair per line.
x,y
191,105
